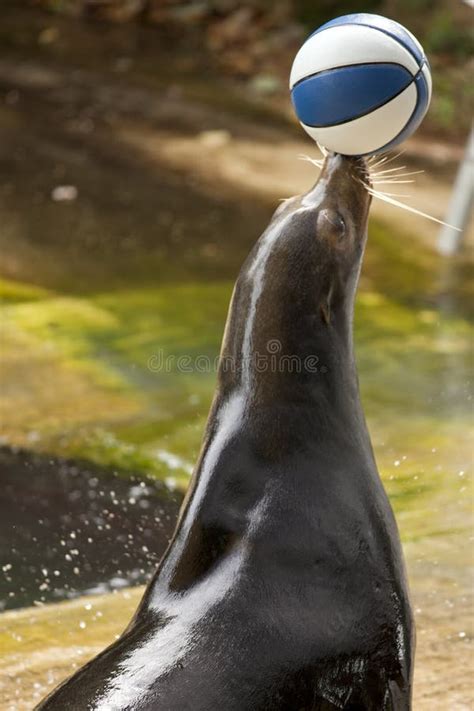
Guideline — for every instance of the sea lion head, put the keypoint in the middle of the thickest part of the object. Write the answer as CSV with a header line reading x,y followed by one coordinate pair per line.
x,y
296,288
329,224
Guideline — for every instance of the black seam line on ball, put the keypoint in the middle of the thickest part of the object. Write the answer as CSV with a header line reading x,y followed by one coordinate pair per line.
x,y
366,113
371,27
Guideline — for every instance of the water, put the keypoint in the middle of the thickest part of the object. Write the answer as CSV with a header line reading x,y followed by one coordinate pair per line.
x,y
77,529
104,293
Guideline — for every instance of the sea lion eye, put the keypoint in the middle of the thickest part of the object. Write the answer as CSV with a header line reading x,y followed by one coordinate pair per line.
x,y
332,220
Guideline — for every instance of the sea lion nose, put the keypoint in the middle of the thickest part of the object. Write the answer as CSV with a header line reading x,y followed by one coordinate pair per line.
x,y
341,172
333,171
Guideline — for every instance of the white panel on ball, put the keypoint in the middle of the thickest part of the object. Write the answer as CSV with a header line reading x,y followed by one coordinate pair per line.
x,y
349,44
371,131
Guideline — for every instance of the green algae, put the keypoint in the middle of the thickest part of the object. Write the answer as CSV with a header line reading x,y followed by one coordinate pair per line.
x,y
128,343
15,292
101,348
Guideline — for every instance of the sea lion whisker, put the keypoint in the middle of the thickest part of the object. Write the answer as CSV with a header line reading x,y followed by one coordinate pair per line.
x,y
315,161
401,175
414,210
391,182
365,185
362,170
394,170
381,158
388,170
380,192
392,177
397,175
322,149
385,158
397,195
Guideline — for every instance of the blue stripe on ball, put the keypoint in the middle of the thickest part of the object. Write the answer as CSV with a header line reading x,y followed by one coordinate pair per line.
x,y
377,22
416,117
354,91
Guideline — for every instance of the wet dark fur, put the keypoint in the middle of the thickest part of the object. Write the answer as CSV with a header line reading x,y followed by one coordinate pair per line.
x,y
288,537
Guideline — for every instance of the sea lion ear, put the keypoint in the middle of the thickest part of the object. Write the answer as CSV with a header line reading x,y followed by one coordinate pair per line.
x,y
325,307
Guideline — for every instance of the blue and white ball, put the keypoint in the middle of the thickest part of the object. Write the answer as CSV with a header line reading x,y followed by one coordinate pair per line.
x,y
360,84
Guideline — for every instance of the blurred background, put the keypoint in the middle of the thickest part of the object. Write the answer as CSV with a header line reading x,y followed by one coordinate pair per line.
x,y
144,145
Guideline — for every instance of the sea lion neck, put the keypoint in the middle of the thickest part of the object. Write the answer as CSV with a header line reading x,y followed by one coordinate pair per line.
x,y
287,392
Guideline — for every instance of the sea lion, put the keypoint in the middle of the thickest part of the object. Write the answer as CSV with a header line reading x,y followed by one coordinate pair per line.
x,y
284,585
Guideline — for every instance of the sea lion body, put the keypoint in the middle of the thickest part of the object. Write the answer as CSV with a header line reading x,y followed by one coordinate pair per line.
x,y
284,585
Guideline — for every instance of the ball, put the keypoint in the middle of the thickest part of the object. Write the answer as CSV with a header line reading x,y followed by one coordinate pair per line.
x,y
360,84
